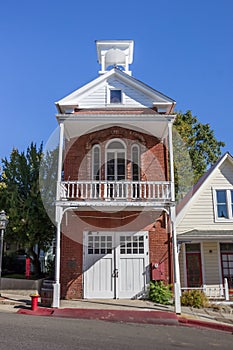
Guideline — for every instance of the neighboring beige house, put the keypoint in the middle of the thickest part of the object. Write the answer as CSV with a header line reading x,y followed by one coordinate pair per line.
x,y
205,231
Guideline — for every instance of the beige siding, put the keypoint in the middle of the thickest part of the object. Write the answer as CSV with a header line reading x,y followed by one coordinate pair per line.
x,y
200,212
211,263
182,266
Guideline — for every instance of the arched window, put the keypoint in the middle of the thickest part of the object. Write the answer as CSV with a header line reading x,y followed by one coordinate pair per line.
x,y
116,160
96,164
135,168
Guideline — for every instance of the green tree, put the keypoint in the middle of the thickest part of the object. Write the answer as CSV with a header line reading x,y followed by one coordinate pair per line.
x,y
195,150
29,224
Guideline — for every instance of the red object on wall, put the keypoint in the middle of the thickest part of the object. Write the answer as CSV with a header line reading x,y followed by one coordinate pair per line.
x,y
27,269
157,271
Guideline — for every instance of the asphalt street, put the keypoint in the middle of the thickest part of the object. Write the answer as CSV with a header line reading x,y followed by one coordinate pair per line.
x,y
37,333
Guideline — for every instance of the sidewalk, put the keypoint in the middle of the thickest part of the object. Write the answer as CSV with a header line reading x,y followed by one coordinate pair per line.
x,y
219,317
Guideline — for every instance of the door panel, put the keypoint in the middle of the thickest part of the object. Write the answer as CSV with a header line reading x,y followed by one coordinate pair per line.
x,y
227,268
132,264
99,278
98,266
194,276
131,277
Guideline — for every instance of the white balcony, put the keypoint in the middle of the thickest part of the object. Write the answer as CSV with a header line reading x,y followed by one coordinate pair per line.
x,y
126,191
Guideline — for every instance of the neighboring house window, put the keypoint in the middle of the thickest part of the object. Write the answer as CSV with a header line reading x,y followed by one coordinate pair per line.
x,y
115,96
226,250
193,265
96,162
223,204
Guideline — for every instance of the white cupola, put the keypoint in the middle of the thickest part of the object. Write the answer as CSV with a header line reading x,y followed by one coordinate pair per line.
x,y
116,53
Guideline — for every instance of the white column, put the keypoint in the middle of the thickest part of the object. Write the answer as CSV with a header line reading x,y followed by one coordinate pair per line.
x,y
176,268
171,161
56,286
226,289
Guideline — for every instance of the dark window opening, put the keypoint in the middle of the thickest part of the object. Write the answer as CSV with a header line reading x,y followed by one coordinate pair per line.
x,y
115,96
222,204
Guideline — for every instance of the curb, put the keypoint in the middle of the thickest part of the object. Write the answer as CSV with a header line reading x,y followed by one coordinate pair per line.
x,y
132,316
41,311
199,323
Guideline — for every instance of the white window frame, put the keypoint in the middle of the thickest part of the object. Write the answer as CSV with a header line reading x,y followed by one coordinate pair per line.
x,y
228,203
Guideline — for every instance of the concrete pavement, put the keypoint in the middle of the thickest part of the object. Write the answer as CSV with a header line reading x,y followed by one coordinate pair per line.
x,y
219,316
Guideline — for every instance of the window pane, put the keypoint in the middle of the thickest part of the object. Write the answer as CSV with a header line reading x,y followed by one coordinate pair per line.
x,y
193,247
121,168
135,163
226,247
221,204
116,145
96,163
110,166
221,196
115,96
222,211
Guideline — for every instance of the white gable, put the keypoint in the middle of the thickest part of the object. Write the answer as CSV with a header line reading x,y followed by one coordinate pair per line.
x,y
96,94
198,213
131,97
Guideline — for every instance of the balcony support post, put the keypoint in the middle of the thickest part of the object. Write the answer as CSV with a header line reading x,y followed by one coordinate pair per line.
x,y
56,285
176,268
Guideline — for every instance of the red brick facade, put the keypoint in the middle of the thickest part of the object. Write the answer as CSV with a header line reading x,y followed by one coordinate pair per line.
x,y
77,166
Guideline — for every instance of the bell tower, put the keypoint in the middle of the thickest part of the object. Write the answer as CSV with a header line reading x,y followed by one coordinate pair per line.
x,y
116,53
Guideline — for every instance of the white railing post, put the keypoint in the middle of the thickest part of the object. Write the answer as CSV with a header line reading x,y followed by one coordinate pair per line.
x,y
226,289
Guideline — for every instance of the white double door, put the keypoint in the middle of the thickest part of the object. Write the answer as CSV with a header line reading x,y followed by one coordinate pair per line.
x,y
115,264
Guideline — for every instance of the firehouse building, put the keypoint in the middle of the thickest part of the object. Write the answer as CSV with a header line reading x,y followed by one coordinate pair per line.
x,y
115,189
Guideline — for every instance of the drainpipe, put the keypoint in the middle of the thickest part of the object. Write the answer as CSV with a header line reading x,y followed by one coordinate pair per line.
x,y
56,285
172,214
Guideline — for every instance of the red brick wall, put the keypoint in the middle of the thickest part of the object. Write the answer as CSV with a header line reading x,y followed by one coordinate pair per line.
x,y
77,164
72,250
160,247
71,268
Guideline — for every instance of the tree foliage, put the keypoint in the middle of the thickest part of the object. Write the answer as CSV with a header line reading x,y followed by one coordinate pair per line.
x,y
195,150
20,197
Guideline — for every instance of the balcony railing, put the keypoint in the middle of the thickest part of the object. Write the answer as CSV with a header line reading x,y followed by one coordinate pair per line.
x,y
115,190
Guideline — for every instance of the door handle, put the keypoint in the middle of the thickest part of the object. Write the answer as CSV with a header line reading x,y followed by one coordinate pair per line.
x,y
115,273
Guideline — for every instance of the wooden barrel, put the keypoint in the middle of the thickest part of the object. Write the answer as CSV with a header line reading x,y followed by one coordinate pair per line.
x,y
46,293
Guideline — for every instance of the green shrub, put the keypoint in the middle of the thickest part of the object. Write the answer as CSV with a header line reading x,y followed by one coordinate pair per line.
x,y
194,298
160,293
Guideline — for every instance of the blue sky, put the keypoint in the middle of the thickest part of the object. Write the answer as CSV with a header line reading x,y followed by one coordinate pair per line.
x,y
182,48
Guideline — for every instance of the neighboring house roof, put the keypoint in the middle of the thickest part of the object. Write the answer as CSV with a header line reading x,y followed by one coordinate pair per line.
x,y
207,235
78,98
187,201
